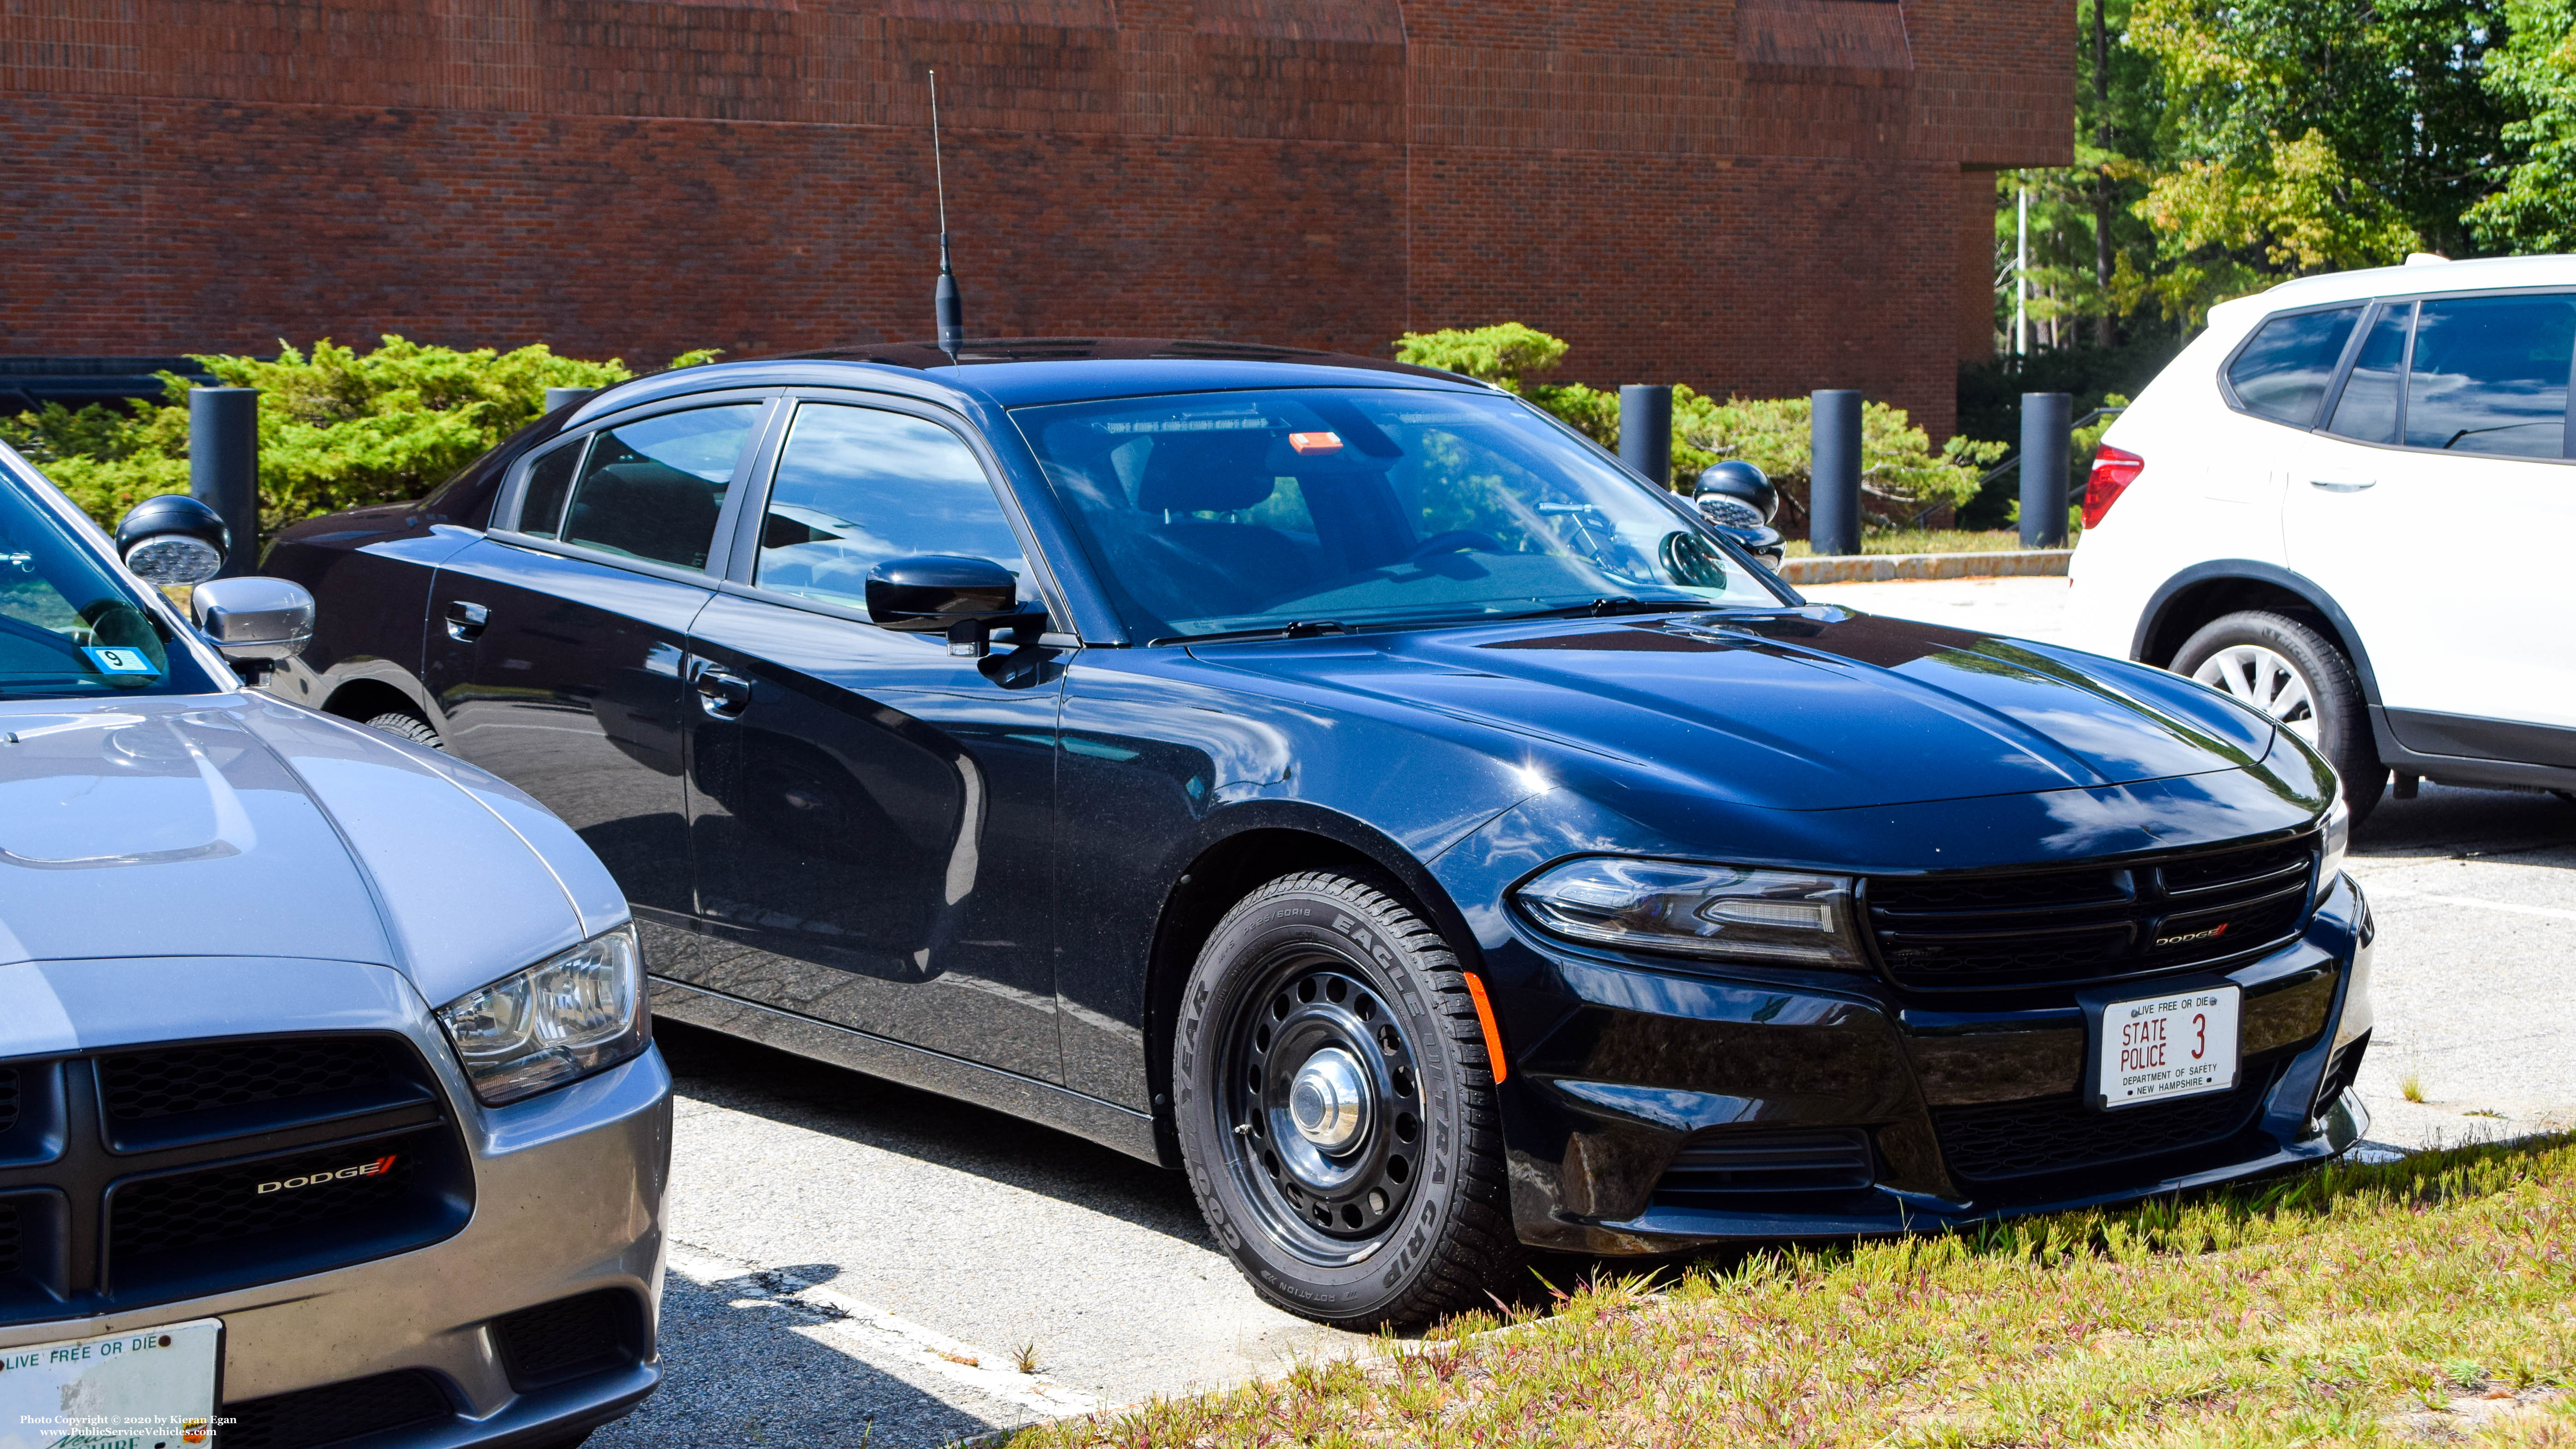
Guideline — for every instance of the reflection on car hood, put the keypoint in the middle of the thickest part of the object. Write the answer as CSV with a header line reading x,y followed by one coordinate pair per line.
x,y
233,825
1818,708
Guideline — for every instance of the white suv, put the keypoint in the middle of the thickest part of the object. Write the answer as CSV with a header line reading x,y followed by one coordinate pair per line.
x,y
2346,503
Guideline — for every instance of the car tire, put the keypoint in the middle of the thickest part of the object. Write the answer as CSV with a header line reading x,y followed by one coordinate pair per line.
x,y
408,727
2289,671
1386,1201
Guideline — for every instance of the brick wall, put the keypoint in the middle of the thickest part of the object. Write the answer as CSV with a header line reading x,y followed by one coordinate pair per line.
x,y
1761,196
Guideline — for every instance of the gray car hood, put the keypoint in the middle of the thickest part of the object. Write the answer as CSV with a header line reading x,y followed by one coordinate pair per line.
x,y
236,825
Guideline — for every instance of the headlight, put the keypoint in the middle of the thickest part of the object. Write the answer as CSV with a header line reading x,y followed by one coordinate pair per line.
x,y
565,1017
1724,912
2338,839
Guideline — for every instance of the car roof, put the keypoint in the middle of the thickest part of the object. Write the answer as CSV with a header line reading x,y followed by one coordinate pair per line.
x,y
1014,372
2430,274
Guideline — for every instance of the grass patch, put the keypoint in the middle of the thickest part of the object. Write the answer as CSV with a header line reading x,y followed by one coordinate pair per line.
x,y
2319,1310
1928,540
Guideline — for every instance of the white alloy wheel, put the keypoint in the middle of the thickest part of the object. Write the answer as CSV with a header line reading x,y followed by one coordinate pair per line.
x,y
2265,680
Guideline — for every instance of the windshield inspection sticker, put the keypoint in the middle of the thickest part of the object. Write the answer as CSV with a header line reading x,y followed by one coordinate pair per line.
x,y
1310,444
122,661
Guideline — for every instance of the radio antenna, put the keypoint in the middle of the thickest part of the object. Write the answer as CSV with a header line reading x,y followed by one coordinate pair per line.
x,y
951,311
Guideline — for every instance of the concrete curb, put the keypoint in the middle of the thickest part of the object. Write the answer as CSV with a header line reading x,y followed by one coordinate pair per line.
x,y
1881,567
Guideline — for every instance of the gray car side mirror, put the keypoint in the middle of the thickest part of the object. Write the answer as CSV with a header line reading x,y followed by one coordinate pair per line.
x,y
254,619
172,539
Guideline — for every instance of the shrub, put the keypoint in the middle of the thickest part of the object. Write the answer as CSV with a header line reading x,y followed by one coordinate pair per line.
x,y
337,428
1902,475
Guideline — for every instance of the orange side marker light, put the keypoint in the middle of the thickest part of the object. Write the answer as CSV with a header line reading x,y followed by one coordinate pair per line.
x,y
1485,1019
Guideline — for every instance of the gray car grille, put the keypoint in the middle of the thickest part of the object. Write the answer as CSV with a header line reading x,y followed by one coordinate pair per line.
x,y
141,1176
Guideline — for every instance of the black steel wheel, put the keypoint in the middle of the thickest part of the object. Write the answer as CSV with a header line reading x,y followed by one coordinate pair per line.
x,y
1336,1109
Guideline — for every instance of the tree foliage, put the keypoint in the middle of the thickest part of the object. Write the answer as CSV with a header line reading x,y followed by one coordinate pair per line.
x,y
2534,74
337,428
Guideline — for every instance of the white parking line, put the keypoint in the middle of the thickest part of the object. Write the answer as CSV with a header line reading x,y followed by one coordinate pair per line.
x,y
883,1335
2388,892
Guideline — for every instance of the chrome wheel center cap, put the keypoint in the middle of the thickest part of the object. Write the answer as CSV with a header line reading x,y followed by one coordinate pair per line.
x,y
1329,1100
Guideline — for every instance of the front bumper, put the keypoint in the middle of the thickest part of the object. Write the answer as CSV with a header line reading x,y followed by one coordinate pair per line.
x,y
1641,1060
564,1200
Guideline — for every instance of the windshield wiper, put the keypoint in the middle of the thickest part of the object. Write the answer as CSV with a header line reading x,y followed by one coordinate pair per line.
x,y
1620,604
1301,629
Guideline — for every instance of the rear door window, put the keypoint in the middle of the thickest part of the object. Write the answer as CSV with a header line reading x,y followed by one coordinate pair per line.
x,y
2282,372
2367,411
2489,375
654,488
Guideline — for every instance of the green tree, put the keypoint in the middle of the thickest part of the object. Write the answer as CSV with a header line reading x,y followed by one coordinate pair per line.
x,y
2306,135
337,428
2534,74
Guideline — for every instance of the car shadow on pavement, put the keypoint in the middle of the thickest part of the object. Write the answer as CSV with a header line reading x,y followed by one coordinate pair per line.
x,y
819,1097
743,1367
2446,819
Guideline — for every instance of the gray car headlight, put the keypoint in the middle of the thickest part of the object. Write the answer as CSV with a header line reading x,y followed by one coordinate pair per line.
x,y
564,1018
1722,912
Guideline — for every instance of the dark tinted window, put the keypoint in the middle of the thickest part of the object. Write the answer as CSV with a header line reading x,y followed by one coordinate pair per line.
x,y
652,489
2283,372
857,487
2367,411
549,483
2490,375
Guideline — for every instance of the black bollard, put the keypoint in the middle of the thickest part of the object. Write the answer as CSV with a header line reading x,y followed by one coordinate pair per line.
x,y
563,397
1833,473
223,466
2046,438
1646,430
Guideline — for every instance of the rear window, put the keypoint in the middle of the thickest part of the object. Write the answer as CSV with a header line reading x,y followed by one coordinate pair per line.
x,y
72,626
2282,373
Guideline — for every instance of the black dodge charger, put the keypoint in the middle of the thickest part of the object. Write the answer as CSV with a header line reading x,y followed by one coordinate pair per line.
x,y
1344,782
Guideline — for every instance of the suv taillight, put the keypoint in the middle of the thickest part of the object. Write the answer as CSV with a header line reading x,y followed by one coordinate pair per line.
x,y
2113,471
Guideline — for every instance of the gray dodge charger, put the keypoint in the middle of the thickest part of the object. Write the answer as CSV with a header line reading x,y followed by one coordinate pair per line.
x,y
328,1108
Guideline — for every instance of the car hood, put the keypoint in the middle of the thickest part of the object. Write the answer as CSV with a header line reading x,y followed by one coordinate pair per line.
x,y
235,825
1819,708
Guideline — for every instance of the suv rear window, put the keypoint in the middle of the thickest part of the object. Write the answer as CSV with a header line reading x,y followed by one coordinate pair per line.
x,y
2282,372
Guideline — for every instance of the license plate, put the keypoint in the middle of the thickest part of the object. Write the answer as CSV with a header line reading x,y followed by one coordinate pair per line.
x,y
153,1388
2177,1045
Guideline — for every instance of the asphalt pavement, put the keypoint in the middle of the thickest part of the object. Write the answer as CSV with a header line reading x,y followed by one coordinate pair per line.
x,y
855,1263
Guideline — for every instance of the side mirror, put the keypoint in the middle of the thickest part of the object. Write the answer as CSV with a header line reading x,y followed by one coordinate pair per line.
x,y
967,598
1739,501
173,539
253,619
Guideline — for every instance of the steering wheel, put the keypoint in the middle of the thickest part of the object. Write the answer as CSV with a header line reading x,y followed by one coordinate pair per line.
x,y
1454,541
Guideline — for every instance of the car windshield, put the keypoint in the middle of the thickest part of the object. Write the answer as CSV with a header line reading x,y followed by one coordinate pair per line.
x,y
1236,512
70,627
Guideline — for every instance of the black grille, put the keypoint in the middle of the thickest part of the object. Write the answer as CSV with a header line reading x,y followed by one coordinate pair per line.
x,y
12,1237
186,1209
2058,1134
2068,927
136,1173
334,1413
145,1085
1723,1169
568,1338
2342,1070
8,1098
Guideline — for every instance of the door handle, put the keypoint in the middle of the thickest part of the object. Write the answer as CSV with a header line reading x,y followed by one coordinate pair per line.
x,y
2332,487
723,695
465,621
